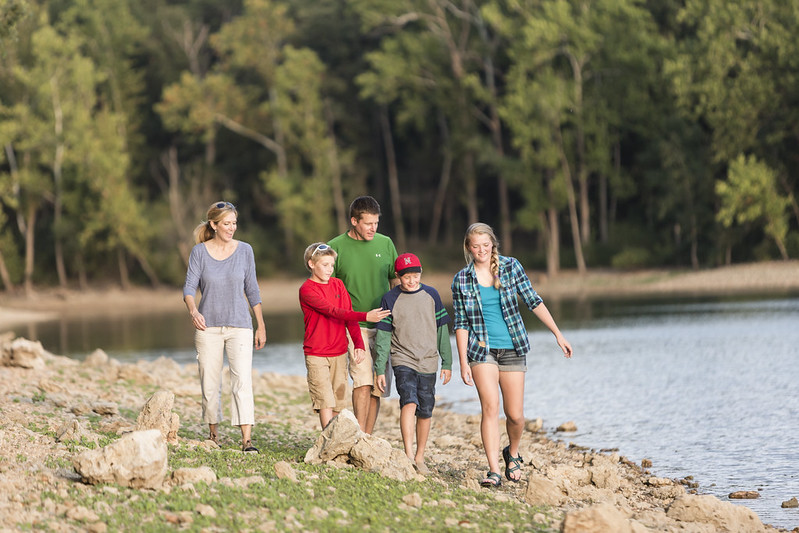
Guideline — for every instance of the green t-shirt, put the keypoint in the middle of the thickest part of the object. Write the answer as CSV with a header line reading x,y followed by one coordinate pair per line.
x,y
366,268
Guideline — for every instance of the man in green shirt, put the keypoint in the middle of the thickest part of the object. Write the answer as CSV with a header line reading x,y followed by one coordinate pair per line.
x,y
365,263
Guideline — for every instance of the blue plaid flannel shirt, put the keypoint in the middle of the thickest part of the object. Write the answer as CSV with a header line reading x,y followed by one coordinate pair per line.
x,y
469,311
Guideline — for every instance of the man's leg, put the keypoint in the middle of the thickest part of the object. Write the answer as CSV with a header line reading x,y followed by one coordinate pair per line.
x,y
364,404
361,405
374,410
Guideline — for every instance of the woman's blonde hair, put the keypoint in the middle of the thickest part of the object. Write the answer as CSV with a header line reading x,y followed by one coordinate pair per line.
x,y
218,210
479,228
318,250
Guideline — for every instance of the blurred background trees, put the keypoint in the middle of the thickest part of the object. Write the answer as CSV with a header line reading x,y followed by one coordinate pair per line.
x,y
590,134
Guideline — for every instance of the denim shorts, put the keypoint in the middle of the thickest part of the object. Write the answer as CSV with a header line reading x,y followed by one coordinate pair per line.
x,y
417,388
507,360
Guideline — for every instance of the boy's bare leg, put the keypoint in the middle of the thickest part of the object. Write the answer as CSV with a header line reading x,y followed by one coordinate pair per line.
x,y
374,410
326,415
407,423
360,405
422,432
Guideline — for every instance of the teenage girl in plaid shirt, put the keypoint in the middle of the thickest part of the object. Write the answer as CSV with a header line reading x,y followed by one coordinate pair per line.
x,y
492,341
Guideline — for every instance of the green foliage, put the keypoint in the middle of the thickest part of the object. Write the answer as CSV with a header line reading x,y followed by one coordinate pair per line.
x,y
121,121
750,194
11,12
631,258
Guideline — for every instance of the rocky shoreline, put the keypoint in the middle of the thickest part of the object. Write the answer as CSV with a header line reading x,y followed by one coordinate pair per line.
x,y
53,409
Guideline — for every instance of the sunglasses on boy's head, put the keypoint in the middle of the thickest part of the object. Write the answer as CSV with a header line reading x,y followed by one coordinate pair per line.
x,y
220,205
321,247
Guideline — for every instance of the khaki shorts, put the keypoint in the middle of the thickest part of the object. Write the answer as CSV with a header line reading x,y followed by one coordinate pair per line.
x,y
363,373
327,382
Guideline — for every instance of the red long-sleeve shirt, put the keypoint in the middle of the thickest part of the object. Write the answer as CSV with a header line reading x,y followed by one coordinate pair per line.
x,y
328,314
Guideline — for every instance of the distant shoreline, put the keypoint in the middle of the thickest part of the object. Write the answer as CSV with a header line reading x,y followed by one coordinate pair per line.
x,y
279,294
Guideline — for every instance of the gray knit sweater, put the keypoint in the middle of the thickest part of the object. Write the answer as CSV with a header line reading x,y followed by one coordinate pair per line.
x,y
229,287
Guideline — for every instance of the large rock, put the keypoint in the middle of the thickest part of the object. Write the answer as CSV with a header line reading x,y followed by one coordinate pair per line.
x,y
376,455
134,373
23,353
343,441
542,491
722,516
96,358
201,474
73,430
283,470
605,477
336,439
157,414
602,518
137,460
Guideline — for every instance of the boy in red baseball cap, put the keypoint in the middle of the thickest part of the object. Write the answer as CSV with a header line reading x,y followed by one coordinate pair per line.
x,y
414,335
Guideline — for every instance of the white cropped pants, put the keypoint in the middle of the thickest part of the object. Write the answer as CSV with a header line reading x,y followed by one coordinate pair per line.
x,y
211,346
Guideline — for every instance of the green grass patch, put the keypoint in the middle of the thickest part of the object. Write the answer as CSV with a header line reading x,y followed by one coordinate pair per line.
x,y
324,498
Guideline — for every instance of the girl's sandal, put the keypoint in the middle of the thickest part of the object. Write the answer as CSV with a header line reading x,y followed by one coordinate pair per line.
x,y
517,464
212,436
492,480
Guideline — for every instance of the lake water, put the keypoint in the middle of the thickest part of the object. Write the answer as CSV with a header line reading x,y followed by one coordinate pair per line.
x,y
707,388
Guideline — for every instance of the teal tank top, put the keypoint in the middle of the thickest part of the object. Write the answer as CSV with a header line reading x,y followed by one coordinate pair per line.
x,y
498,333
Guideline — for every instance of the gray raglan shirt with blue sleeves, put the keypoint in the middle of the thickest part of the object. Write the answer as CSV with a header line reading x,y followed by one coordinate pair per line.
x,y
229,287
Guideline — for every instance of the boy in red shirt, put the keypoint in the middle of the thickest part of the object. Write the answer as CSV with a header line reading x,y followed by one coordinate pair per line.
x,y
328,314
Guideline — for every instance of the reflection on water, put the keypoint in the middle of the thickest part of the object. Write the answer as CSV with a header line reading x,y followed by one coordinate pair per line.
x,y
128,336
702,387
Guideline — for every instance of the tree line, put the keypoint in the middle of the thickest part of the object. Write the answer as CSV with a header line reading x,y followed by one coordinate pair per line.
x,y
589,133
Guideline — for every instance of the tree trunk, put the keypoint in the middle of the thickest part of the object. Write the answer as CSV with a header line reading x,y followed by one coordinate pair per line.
x,y
58,161
148,270
787,188
15,186
169,159
471,187
30,240
573,217
83,281
553,232
694,243
342,216
443,182
124,276
603,208
495,125
393,179
581,166
5,277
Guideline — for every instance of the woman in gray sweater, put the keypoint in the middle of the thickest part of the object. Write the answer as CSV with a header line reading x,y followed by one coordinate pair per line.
x,y
223,269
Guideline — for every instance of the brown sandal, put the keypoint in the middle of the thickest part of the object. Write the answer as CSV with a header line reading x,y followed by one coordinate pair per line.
x,y
248,447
